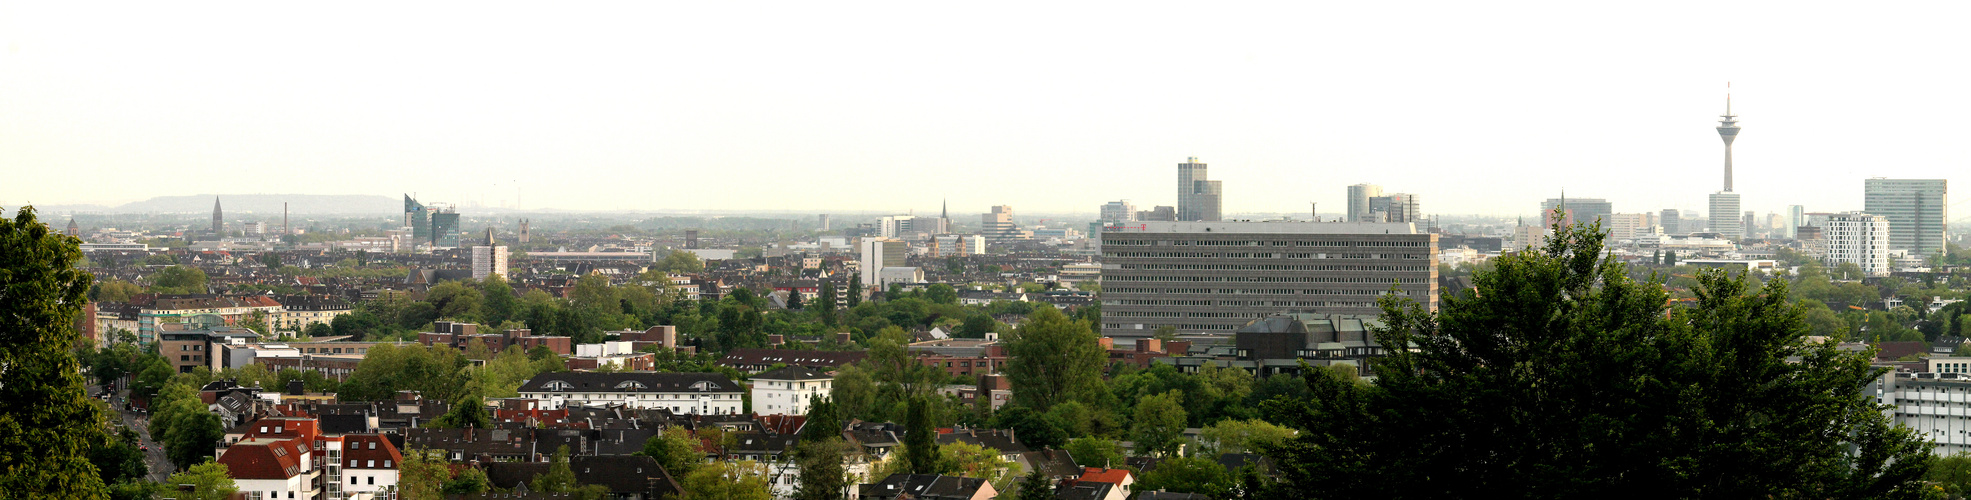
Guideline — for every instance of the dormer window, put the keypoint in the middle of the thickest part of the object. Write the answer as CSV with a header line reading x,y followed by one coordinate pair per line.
x,y
557,385
631,385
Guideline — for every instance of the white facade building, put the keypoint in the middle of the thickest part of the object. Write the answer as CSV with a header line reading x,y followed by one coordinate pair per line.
x,y
488,260
789,391
681,393
878,253
1859,238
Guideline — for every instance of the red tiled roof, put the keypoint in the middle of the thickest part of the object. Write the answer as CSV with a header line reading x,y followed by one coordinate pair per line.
x,y
262,459
1101,475
358,452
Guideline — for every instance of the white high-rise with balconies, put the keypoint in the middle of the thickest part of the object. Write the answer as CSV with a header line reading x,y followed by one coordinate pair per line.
x,y
1858,238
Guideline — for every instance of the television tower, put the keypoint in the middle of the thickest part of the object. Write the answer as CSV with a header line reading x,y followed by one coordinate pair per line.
x,y
1728,129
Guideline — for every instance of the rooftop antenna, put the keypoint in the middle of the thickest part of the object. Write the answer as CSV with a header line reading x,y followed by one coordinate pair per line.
x,y
1315,210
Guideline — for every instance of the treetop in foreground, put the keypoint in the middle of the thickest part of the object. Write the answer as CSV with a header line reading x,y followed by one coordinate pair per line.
x,y
1561,377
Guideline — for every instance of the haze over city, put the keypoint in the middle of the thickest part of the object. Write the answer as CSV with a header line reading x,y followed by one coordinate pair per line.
x,y
1481,109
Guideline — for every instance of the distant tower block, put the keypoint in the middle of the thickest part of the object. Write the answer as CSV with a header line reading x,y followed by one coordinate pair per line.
x,y
524,237
824,222
691,239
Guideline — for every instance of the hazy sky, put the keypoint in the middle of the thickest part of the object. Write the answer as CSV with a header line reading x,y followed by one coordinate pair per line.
x,y
1479,107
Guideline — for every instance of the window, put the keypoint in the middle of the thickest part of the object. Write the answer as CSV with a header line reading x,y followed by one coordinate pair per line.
x,y
372,480
352,479
370,463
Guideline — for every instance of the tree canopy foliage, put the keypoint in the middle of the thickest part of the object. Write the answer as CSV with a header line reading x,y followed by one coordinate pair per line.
x,y
1562,376
47,423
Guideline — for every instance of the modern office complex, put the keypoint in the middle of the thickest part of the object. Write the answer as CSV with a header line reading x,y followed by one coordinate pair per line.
x,y
1198,197
1580,210
1796,216
1725,204
997,226
1394,207
1214,277
1917,210
879,253
1859,238
1118,211
1358,201
1671,220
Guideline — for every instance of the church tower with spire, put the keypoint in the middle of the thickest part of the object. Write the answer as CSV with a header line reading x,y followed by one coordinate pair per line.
x,y
218,219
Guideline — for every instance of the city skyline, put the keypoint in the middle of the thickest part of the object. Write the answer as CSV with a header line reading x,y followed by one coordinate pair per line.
x,y
146,98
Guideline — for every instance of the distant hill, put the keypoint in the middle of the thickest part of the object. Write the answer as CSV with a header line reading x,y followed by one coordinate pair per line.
x,y
268,204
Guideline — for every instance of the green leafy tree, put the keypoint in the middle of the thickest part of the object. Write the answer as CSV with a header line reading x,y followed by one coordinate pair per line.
x,y
177,280
455,300
47,424
828,301
1158,428
1200,475
423,474
743,480
117,291
468,482
1096,452
1035,486
941,294
1562,377
1950,476
823,475
209,481
1051,359
1242,436
676,450
1035,429
976,326
469,412
499,304
680,262
257,322
921,438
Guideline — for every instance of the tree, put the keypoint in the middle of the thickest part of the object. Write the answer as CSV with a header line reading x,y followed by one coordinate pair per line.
x,y
1158,428
823,475
941,294
921,438
178,280
1051,359
722,480
47,424
676,450
1951,475
1562,377
455,300
1095,452
423,474
1036,486
209,481
469,412
117,291
270,259
828,301
256,321
854,292
679,262
1200,475
1242,436
1035,429
976,326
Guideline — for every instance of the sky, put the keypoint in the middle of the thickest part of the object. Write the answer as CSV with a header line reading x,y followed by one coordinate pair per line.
x,y
1477,107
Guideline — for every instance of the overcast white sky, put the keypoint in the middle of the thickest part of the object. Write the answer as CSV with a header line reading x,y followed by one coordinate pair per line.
x,y
1479,107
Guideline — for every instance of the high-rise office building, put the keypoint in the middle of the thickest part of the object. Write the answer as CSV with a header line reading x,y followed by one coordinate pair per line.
x,y
218,219
1159,213
1395,207
1859,238
1750,222
879,253
823,221
1580,210
524,236
1796,216
1358,201
1671,221
488,258
1627,226
998,226
1725,204
418,219
1213,277
1917,210
1198,197
444,228
1118,211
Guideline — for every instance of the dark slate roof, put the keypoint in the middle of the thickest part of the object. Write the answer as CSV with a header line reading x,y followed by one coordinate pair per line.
x,y
652,382
924,486
792,372
623,474
344,423
1083,490
1002,440
1166,495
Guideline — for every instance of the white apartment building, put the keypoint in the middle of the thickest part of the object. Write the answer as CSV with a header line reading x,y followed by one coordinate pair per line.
x,y
789,391
1936,404
1627,226
1858,238
878,253
681,393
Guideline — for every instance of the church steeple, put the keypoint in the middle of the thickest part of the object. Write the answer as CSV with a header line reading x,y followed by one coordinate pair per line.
x,y
218,219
